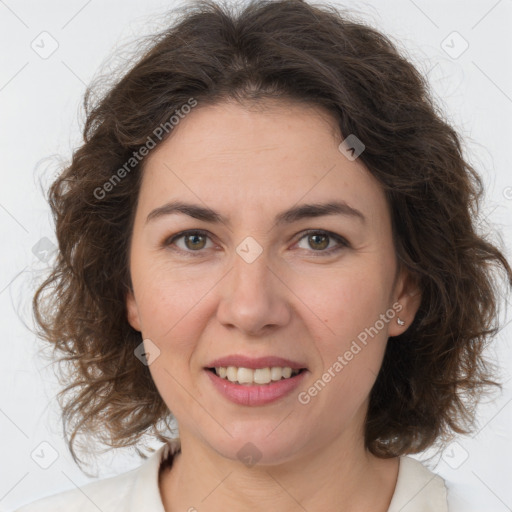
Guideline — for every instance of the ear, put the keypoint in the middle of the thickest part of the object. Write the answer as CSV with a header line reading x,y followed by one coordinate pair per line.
x,y
132,311
407,300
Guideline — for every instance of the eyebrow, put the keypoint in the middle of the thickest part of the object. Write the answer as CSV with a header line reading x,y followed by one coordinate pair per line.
x,y
294,214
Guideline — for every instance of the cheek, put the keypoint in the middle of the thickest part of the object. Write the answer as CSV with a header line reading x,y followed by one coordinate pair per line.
x,y
174,313
170,300
346,302
350,336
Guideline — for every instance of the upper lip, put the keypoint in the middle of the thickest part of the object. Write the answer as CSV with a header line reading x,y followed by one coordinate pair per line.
x,y
255,362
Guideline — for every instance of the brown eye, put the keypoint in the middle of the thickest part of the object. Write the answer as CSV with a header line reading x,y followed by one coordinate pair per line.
x,y
188,242
319,241
195,241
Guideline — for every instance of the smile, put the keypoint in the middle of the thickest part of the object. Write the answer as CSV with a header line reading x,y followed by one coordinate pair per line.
x,y
249,376
249,392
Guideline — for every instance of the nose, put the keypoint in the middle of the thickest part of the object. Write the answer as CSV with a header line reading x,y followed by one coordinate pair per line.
x,y
254,298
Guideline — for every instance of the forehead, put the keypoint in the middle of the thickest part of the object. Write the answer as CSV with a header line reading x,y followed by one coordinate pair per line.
x,y
277,153
229,129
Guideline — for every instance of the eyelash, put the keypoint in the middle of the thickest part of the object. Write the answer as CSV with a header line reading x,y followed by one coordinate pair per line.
x,y
343,244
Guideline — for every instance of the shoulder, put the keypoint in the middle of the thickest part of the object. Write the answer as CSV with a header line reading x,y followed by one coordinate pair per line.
x,y
93,496
418,489
135,490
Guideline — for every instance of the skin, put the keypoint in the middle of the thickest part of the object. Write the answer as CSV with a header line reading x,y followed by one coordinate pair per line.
x,y
293,301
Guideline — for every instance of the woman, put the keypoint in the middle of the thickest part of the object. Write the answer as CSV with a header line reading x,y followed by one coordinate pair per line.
x,y
269,236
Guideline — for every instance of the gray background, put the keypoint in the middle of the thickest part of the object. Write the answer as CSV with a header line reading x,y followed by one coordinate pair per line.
x,y
40,107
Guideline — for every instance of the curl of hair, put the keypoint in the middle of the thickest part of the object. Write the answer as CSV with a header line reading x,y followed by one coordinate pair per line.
x,y
432,375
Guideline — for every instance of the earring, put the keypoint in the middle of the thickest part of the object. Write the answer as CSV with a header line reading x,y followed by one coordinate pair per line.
x,y
399,321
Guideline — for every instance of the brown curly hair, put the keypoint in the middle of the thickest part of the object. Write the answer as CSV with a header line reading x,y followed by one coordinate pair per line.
x,y
434,373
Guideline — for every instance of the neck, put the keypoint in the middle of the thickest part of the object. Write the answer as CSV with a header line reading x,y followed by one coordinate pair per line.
x,y
342,475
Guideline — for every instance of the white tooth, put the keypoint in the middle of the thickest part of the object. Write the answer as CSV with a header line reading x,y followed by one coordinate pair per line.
x,y
276,373
258,376
245,375
232,373
262,376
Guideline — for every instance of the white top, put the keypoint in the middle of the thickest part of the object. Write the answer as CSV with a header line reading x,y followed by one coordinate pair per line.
x,y
417,490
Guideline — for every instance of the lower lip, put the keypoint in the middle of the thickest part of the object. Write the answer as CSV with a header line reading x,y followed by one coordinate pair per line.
x,y
257,394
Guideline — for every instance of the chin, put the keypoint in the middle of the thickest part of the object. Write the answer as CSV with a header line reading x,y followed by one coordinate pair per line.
x,y
257,448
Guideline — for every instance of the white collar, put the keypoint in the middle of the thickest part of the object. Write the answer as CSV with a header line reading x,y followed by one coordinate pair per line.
x,y
417,488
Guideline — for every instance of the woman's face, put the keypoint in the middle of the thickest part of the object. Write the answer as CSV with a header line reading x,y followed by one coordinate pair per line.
x,y
256,284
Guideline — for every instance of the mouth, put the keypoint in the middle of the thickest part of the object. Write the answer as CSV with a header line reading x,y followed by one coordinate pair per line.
x,y
255,386
260,376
